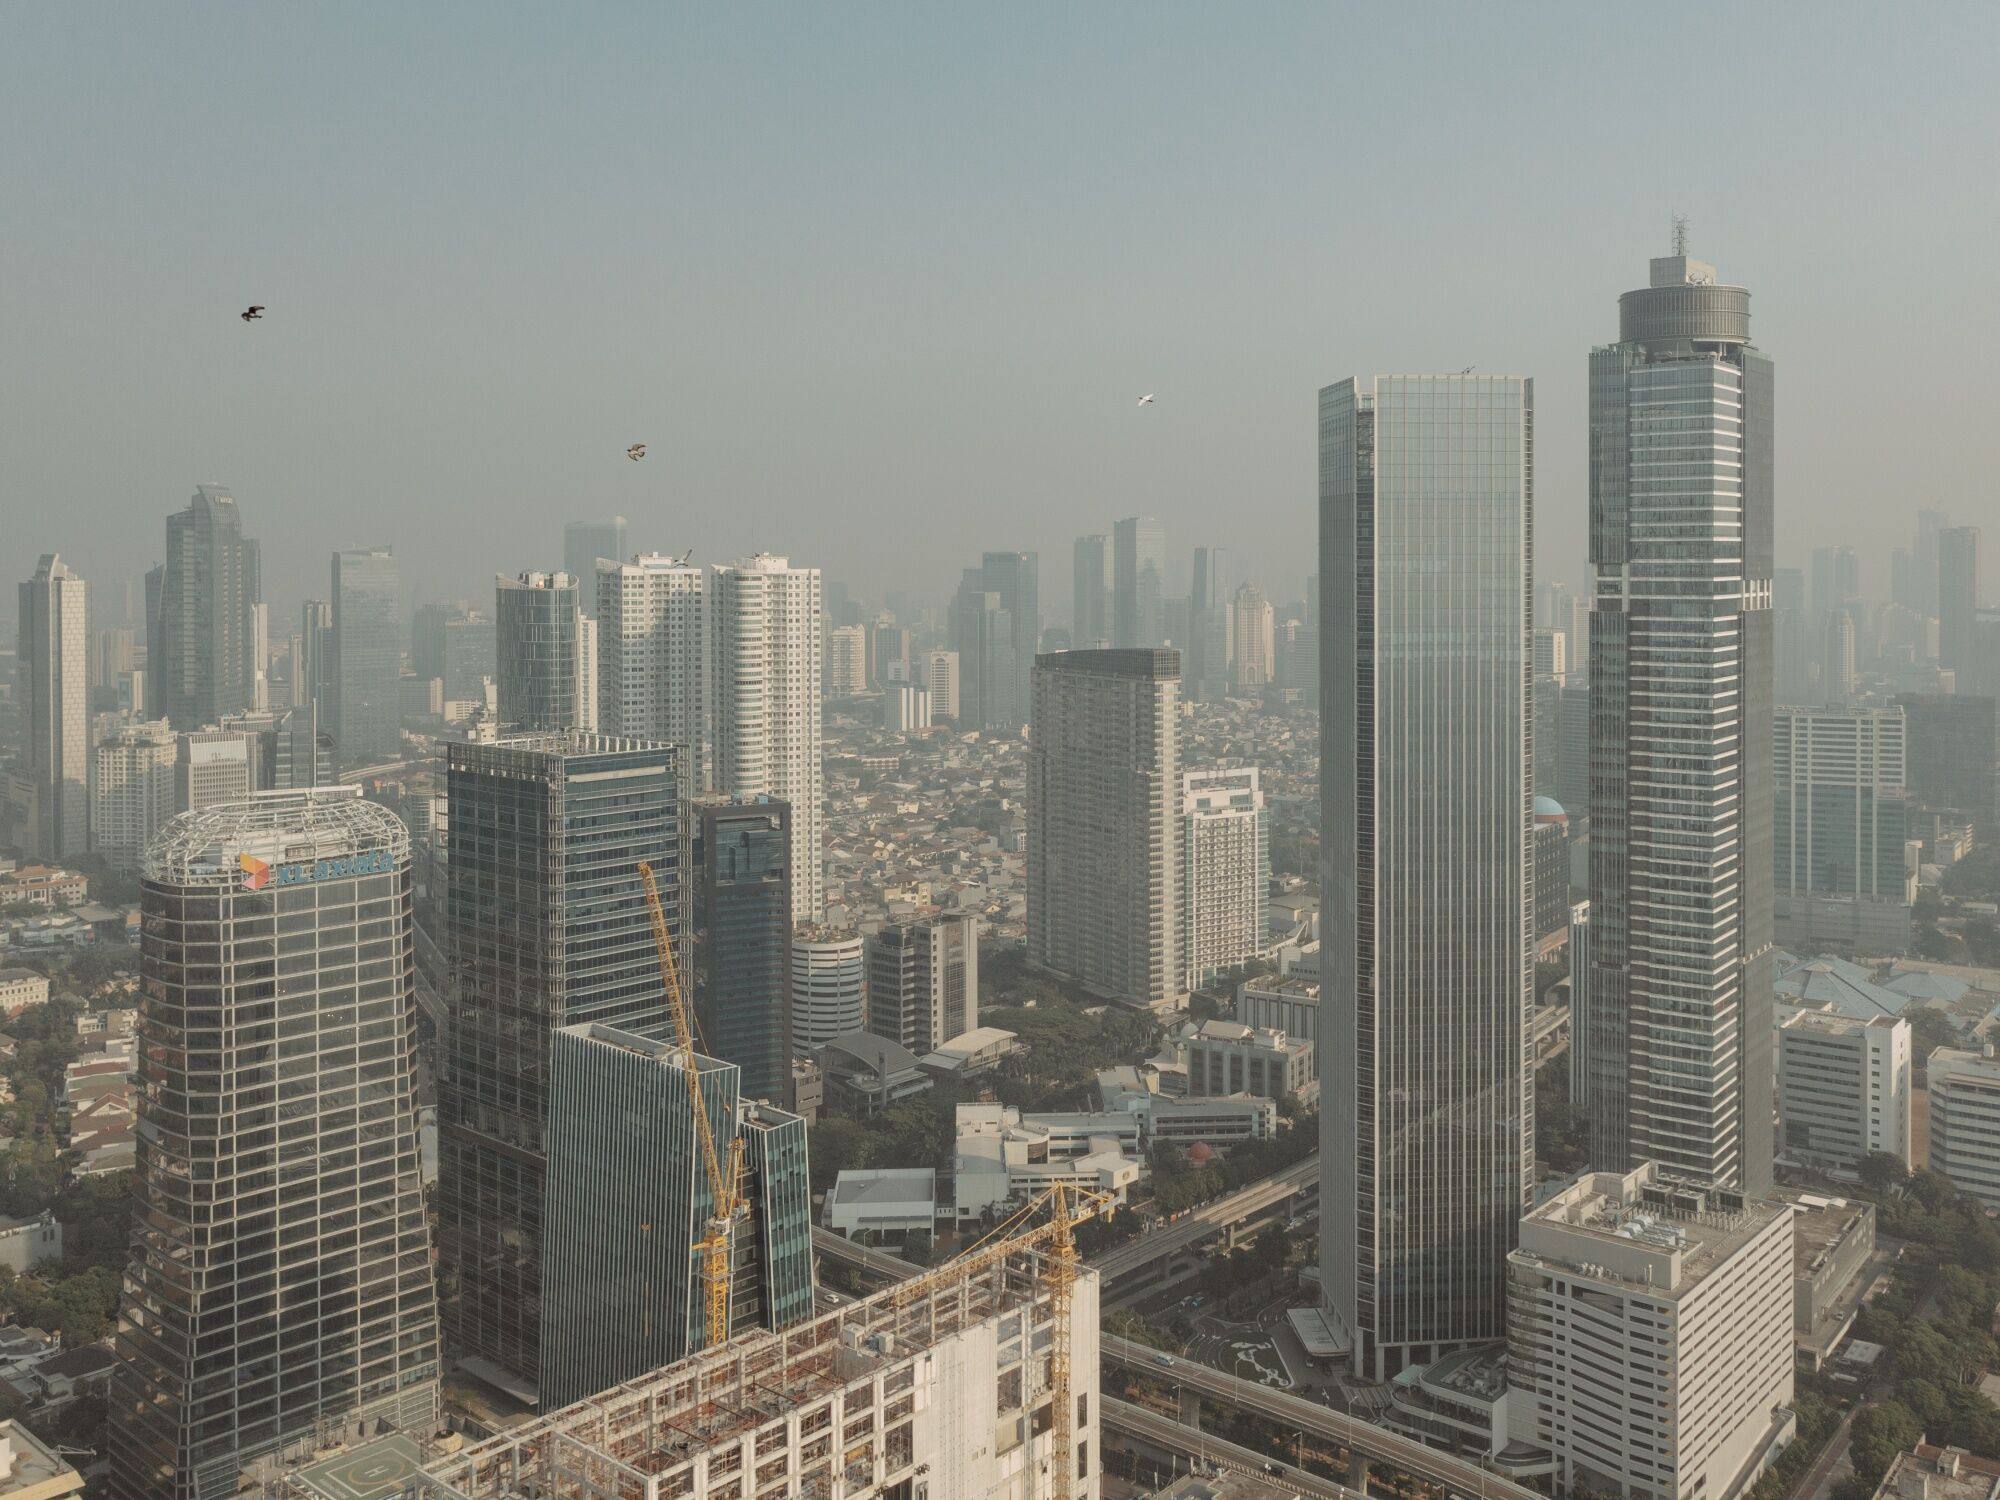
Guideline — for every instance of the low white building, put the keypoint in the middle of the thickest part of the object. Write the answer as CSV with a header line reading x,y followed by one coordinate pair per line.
x,y
1965,1120
890,1201
1228,1057
1650,1335
1003,1157
1843,1088
25,1243
20,989
1287,1005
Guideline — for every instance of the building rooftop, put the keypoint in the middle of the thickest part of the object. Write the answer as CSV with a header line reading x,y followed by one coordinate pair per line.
x,y
1934,1473
1644,1228
31,1469
210,847
1820,983
1818,1224
886,1187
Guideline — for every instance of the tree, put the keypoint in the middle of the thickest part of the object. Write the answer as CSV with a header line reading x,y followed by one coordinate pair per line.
x,y
1883,1170
916,1248
1879,1434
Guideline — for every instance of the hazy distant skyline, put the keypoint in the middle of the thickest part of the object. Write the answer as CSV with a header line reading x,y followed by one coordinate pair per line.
x,y
880,287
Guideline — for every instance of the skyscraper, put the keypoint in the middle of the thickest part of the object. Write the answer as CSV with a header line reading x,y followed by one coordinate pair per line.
x,y
213,581
1680,675
652,654
1211,625
1138,582
923,980
1104,846
940,679
1958,600
1091,586
545,926
629,1195
312,674
1791,637
1256,647
1226,864
829,987
280,1281
764,674
1840,820
1426,961
131,791
54,666
538,646
584,542
364,713
846,661
743,941
455,643
995,625
1836,579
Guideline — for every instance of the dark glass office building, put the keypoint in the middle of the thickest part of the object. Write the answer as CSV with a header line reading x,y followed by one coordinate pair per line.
x,y
538,652
365,708
545,926
628,1197
202,663
280,1281
743,944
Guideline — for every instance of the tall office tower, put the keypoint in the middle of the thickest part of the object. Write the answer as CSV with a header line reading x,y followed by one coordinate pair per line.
x,y
1138,582
846,661
941,682
743,941
1427,1135
1931,525
1952,749
1211,626
996,621
212,767
312,673
1836,657
1551,652
537,642
1958,599
652,657
454,643
584,542
287,751
212,581
1840,822
1836,578
1226,871
155,590
1571,752
1680,676
1792,638
54,667
888,652
905,709
280,1283
1091,583
586,673
1906,583
1256,648
1104,847
113,652
628,1196
545,926
923,980
764,675
131,790
364,710
829,987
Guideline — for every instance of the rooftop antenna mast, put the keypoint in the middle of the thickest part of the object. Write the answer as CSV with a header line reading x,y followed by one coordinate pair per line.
x,y
1680,234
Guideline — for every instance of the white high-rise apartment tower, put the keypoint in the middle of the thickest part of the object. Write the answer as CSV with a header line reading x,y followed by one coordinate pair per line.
x,y
1226,867
652,654
55,666
765,650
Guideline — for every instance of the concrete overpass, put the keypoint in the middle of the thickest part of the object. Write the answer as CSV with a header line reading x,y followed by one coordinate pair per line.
x,y
1148,1429
1366,1443
1219,1217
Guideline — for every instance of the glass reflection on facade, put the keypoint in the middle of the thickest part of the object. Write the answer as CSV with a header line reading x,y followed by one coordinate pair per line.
x,y
743,987
1427,1124
281,1273
367,667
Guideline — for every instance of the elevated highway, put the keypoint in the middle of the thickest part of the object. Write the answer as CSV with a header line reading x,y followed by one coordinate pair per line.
x,y
1179,1440
1204,1223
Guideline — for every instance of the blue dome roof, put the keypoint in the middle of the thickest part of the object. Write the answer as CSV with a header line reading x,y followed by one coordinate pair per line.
x,y
1548,807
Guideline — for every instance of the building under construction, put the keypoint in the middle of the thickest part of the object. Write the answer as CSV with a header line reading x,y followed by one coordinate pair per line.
x,y
944,1386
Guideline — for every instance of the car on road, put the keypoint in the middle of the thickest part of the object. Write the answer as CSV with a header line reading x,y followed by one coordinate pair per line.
x,y
1163,1359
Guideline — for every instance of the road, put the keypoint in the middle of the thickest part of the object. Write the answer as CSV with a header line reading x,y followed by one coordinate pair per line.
x,y
1192,1442
1172,1239
1456,1474
1820,1480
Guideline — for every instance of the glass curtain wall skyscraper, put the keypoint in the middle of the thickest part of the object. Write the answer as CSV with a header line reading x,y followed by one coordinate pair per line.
x,y
1138,582
1211,625
743,941
539,652
1681,687
584,542
205,666
1090,586
545,926
365,711
1426,955
280,1282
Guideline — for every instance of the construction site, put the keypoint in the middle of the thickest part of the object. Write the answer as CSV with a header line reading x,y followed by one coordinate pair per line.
x,y
944,1386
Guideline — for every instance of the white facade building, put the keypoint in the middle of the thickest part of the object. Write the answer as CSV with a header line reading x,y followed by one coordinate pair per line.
x,y
1226,870
846,661
131,790
829,987
905,709
1649,1335
54,661
764,674
1287,1005
1843,1088
941,680
1965,1120
652,654
1003,1157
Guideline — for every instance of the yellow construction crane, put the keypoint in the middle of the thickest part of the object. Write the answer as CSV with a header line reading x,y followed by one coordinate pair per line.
x,y
724,1185
1067,1207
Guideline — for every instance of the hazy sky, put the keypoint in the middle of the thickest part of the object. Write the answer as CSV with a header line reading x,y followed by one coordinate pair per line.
x,y
881,284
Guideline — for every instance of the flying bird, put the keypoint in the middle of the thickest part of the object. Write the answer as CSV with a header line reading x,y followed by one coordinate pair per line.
x,y
253,312
636,452
1145,400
